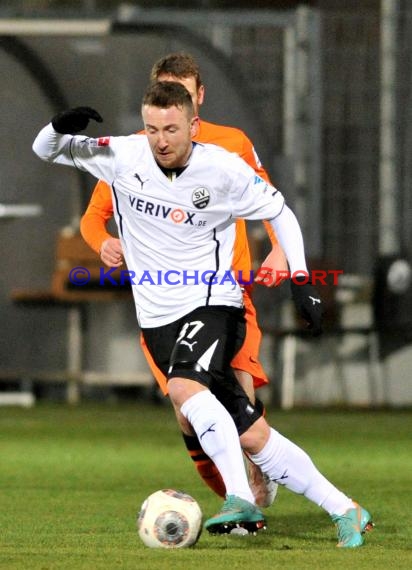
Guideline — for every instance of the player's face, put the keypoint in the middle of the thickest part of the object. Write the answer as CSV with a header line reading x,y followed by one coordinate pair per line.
x,y
169,132
196,94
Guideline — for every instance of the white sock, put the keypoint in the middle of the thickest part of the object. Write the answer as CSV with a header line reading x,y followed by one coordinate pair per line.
x,y
218,436
288,465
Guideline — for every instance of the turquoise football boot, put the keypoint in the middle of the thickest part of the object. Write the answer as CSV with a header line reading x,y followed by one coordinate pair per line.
x,y
351,526
236,513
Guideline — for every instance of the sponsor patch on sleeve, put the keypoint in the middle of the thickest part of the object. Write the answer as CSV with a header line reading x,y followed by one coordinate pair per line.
x,y
103,141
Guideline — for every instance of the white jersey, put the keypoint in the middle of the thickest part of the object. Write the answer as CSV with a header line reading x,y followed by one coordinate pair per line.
x,y
177,236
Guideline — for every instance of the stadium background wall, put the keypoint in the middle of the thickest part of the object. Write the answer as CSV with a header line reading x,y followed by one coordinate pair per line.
x,y
303,81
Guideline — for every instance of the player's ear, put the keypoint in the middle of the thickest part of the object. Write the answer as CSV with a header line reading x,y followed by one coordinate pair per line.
x,y
194,126
200,95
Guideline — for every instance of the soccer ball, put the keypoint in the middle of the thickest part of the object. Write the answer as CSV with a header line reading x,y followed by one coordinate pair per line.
x,y
169,519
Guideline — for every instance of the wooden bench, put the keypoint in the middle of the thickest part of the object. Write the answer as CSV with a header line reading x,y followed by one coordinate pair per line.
x,y
73,252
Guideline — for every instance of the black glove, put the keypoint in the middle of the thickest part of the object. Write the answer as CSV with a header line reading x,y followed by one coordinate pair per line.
x,y
74,120
308,303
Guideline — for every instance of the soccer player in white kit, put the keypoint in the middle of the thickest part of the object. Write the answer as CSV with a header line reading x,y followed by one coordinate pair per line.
x,y
175,206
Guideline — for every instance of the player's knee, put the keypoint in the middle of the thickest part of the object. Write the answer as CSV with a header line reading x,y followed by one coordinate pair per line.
x,y
180,390
255,438
185,379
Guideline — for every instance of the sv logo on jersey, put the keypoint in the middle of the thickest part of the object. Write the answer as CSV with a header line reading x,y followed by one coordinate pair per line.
x,y
200,197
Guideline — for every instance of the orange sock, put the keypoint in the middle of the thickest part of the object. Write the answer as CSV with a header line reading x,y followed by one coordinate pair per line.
x,y
205,466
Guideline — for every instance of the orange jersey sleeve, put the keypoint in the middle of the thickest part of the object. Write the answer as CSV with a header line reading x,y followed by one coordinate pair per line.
x,y
249,155
235,140
98,213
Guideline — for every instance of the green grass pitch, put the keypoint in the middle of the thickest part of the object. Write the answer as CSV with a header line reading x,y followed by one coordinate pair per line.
x,y
73,479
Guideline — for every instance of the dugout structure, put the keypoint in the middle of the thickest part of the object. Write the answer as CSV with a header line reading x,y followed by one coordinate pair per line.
x,y
321,93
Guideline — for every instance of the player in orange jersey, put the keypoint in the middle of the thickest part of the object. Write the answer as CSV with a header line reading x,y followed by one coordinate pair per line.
x,y
182,68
